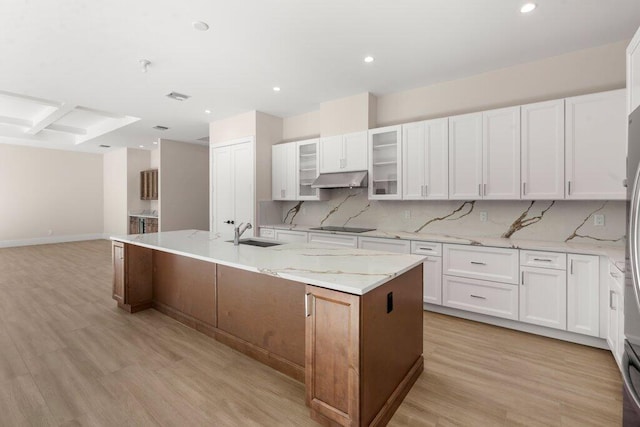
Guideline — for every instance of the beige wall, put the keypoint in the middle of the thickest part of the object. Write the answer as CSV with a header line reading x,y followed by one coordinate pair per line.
x,y
345,115
43,190
268,132
302,126
585,71
115,192
184,186
233,127
137,161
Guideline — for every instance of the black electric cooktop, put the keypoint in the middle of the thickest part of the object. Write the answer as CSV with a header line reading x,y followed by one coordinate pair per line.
x,y
344,229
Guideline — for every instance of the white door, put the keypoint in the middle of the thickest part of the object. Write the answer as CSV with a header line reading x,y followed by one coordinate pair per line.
x,y
232,185
414,158
501,153
465,157
355,151
543,297
583,301
596,145
331,154
437,159
432,280
542,150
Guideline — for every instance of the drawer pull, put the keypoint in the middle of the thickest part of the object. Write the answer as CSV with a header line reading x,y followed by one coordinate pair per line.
x,y
476,296
542,259
426,249
478,263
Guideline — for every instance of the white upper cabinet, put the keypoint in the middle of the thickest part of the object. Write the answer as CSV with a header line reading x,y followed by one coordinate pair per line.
x,y
283,171
633,73
308,169
542,150
501,153
343,153
425,151
465,156
385,163
595,146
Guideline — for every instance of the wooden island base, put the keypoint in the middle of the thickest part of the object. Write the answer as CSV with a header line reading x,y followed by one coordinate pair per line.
x,y
357,355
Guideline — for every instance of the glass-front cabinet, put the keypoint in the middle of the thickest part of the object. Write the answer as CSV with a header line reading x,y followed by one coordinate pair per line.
x,y
385,163
308,170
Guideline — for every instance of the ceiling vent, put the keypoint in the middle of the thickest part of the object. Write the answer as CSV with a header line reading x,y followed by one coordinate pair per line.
x,y
104,146
178,96
158,127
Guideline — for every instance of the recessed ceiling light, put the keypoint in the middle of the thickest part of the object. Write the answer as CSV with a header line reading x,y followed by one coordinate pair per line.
x,y
155,142
200,26
527,7
141,146
207,111
276,89
368,59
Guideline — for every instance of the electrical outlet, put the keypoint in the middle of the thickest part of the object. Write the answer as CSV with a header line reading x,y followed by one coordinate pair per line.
x,y
407,214
598,219
483,216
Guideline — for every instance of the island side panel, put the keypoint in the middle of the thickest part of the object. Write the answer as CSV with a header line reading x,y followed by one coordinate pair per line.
x,y
391,345
138,277
262,316
185,288
333,356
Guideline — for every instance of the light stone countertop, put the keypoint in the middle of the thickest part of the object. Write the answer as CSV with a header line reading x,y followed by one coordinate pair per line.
x,y
614,253
354,271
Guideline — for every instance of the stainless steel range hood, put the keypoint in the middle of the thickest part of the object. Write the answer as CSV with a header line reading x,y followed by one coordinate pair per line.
x,y
341,180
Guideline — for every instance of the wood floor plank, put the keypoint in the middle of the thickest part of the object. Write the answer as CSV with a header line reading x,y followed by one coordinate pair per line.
x,y
69,357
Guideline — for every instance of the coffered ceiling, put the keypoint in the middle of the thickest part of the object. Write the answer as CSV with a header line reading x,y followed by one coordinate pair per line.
x,y
70,74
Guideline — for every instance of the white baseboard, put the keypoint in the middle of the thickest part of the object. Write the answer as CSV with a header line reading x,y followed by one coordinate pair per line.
x,y
51,239
521,326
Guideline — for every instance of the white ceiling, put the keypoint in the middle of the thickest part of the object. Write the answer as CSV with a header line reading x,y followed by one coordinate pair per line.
x,y
86,54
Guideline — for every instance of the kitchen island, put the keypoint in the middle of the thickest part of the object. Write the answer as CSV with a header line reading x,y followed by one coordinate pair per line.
x,y
346,322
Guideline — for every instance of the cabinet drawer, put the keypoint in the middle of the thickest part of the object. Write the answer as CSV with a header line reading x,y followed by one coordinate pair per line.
x,y
387,245
267,233
338,240
291,236
543,259
480,296
497,264
426,248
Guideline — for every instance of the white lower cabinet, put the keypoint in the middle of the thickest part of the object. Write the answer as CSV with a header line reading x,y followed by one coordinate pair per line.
x,y
386,245
583,288
480,296
337,240
615,312
291,236
431,270
543,297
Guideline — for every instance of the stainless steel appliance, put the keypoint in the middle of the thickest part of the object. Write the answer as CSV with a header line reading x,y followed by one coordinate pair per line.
x,y
631,357
343,229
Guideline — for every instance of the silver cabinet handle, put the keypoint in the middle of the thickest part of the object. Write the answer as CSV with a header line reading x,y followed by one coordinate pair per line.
x,y
524,188
571,267
633,235
478,263
611,294
426,190
485,189
522,274
569,188
426,249
479,189
282,193
307,306
542,260
476,296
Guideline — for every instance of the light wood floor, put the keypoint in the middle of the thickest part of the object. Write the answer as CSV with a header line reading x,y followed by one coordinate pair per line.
x,y
69,357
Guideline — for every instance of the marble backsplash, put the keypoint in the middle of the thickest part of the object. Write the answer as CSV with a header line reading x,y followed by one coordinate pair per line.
x,y
559,220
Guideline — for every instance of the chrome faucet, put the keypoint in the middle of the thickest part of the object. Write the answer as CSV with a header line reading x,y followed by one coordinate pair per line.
x,y
239,230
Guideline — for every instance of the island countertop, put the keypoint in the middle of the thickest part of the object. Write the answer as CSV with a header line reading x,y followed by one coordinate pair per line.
x,y
354,271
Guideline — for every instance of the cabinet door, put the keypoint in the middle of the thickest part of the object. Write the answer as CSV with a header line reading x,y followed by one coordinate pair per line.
x,y
386,245
542,155
332,355
385,163
437,159
355,152
278,177
414,158
613,316
501,153
291,236
337,240
432,280
583,302
596,143
543,297
465,157
331,154
117,252
308,166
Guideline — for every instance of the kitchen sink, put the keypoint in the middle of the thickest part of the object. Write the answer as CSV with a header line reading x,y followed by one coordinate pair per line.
x,y
259,243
